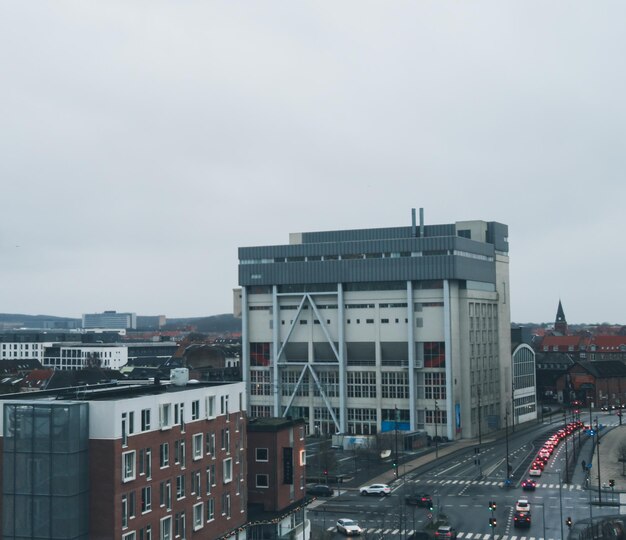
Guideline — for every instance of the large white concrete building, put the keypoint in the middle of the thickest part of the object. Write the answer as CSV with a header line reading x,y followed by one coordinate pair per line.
x,y
360,331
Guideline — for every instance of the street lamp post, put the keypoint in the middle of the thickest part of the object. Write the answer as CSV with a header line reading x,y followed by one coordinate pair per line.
x,y
479,429
395,467
506,433
566,456
598,452
436,435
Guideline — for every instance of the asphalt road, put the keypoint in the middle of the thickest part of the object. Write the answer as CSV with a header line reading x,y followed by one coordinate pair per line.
x,y
462,486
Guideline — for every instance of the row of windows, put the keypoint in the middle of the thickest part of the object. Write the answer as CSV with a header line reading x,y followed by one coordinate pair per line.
x,y
417,306
131,463
169,416
174,526
394,384
372,255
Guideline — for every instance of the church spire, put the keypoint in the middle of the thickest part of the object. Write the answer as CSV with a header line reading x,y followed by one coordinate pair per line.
x,y
560,325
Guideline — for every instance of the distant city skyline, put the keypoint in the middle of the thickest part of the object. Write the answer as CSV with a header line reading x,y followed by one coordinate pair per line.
x,y
142,146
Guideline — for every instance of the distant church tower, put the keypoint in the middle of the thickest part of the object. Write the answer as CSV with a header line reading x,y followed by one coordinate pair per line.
x,y
560,325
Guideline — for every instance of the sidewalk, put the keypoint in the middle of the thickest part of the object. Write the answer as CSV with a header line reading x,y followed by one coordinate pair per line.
x,y
388,477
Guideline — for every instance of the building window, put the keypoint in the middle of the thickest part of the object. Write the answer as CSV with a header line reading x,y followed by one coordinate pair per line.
x,y
210,407
166,528
165,413
180,486
198,513
262,481
148,464
210,473
180,525
362,384
124,429
145,419
435,385
260,382
128,466
210,509
225,436
196,489
130,536
224,405
146,499
210,443
124,511
395,384
165,494
226,505
228,470
434,354
302,457
164,454
197,446
262,454
180,453
195,409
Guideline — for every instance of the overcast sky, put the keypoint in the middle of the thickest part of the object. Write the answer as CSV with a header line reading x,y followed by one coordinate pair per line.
x,y
141,143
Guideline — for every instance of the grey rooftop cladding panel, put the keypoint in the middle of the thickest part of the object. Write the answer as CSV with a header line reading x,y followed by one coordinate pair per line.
x,y
386,233
368,270
367,246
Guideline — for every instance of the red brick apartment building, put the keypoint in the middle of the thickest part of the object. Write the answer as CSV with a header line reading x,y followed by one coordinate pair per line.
x,y
276,478
126,462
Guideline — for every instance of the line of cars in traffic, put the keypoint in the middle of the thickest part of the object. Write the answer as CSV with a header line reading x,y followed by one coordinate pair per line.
x,y
550,446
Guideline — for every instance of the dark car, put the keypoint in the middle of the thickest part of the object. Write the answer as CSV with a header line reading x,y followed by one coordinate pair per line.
x,y
521,519
320,490
419,499
529,485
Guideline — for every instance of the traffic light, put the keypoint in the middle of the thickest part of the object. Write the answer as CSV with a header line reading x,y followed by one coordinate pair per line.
x,y
492,522
492,506
568,521
611,483
430,506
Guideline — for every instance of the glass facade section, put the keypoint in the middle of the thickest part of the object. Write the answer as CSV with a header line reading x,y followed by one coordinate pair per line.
x,y
48,444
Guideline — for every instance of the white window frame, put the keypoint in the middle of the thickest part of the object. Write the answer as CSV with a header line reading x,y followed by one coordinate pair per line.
x,y
195,409
198,511
227,470
147,490
165,416
302,457
256,455
267,483
165,528
210,509
145,419
132,535
210,407
128,476
197,446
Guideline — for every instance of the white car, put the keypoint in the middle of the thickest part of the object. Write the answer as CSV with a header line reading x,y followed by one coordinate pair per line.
x,y
376,489
349,527
522,506
535,472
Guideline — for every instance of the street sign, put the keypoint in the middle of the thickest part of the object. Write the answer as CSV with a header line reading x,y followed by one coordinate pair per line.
x,y
589,465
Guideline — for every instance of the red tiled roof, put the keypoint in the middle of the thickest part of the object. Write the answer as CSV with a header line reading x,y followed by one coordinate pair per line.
x,y
608,343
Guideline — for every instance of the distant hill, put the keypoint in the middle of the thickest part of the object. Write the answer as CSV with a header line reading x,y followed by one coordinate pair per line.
x,y
212,324
218,324
19,320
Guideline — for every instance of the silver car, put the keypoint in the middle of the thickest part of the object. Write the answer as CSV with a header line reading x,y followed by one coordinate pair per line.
x,y
376,489
349,527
